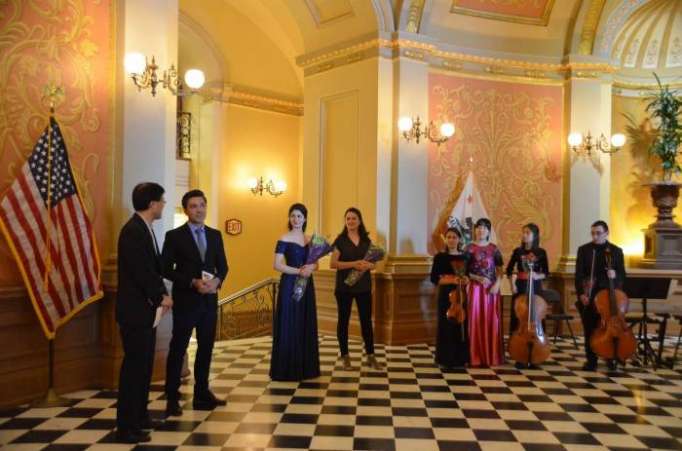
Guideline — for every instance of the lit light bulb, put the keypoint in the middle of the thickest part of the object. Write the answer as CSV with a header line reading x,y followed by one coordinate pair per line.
x,y
280,186
405,124
195,78
618,140
575,139
134,63
447,129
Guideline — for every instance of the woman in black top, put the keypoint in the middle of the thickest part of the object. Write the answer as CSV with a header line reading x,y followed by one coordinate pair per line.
x,y
349,252
452,347
529,250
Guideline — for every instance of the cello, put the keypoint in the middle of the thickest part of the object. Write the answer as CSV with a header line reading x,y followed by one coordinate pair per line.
x,y
528,344
457,297
613,339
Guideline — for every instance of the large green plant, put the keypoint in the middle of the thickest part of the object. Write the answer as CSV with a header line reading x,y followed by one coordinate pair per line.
x,y
665,108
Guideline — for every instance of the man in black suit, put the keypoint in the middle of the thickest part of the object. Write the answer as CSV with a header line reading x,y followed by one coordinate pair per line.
x,y
140,292
591,276
194,259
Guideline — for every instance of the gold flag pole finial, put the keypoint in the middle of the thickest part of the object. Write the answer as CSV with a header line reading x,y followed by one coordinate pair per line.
x,y
53,95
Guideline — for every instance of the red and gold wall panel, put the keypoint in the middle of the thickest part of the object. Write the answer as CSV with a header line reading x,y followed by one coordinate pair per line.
x,y
509,135
523,11
68,43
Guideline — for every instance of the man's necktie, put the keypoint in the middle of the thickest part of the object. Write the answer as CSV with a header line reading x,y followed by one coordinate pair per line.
x,y
201,243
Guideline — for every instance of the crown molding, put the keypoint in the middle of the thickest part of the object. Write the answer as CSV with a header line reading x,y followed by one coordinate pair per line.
x,y
253,98
441,56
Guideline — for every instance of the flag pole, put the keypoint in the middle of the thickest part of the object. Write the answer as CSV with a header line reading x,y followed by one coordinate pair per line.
x,y
48,227
51,398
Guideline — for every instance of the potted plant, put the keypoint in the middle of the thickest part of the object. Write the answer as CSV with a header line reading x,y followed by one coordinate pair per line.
x,y
665,109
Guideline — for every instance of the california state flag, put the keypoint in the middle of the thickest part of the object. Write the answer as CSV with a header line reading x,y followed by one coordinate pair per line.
x,y
467,210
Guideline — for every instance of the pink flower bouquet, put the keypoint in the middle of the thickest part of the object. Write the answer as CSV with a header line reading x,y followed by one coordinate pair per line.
x,y
318,247
373,255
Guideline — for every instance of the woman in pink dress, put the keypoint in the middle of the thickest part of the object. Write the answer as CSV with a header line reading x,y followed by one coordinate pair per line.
x,y
484,302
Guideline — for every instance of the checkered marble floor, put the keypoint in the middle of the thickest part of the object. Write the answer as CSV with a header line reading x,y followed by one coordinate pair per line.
x,y
412,405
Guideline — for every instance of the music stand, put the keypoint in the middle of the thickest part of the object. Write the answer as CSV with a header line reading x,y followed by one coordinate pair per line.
x,y
646,288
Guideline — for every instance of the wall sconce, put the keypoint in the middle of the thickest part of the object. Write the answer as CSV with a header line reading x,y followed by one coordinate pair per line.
x,y
412,129
584,146
257,186
145,76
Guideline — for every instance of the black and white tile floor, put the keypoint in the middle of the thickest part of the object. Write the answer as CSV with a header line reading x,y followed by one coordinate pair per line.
x,y
412,405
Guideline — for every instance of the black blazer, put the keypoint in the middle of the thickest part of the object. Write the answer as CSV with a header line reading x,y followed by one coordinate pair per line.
x,y
140,285
583,267
182,263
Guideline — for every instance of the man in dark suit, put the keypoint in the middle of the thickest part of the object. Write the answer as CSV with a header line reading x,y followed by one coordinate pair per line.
x,y
591,276
140,292
194,259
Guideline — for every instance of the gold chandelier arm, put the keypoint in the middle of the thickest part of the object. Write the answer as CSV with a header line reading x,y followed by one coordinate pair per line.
x,y
170,79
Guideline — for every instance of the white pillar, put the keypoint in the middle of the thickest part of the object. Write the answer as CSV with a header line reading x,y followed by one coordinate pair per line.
x,y
590,177
409,232
148,124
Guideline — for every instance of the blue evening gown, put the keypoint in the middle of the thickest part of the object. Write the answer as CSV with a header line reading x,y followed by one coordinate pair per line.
x,y
295,353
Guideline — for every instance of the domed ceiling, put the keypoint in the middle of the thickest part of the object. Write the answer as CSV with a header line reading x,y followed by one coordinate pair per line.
x,y
651,39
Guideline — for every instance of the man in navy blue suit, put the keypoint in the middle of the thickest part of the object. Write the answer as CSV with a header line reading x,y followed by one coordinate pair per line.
x,y
194,259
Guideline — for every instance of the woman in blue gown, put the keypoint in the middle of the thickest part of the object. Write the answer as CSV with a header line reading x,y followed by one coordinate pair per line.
x,y
295,353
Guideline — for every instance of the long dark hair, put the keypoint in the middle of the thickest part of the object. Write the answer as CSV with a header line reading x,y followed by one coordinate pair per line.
x,y
536,235
304,211
362,231
459,235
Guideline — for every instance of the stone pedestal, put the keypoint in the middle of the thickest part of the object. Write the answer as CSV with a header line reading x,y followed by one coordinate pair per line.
x,y
663,238
662,248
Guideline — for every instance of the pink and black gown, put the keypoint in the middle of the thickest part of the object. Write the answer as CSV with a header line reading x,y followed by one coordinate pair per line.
x,y
484,309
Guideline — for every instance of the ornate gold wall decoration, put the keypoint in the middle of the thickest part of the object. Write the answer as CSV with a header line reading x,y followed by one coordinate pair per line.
x,y
513,134
67,43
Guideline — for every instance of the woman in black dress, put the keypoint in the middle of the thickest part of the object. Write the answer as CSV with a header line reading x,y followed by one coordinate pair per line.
x,y
517,270
349,252
295,352
452,347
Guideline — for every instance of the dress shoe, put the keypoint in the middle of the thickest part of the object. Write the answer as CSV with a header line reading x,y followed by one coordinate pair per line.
x,y
520,366
148,423
132,436
173,408
346,364
590,366
373,363
217,401
612,365
207,401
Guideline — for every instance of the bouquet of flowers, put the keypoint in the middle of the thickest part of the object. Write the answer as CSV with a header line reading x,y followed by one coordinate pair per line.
x,y
373,255
318,248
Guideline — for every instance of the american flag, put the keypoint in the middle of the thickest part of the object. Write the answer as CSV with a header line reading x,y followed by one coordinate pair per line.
x,y
50,235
